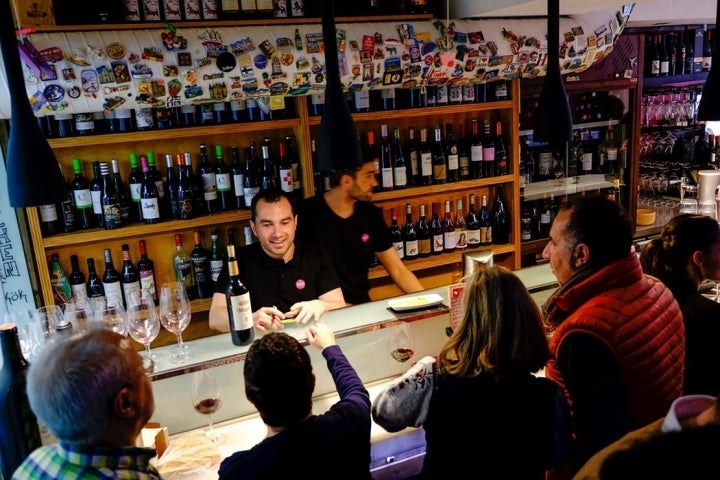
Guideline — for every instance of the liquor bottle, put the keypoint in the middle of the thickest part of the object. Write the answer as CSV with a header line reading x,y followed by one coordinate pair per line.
x,y
671,48
372,154
439,162
206,173
149,196
460,226
452,155
410,235
285,173
146,271
200,257
488,151
111,279
157,178
449,239
59,281
195,182
413,174
689,51
77,281
396,235
472,224
500,220
586,164
49,224
386,160
182,267
96,190
172,183
400,168
426,159
476,150
124,200
135,183
654,58
94,287
547,215
528,162
681,53
217,259
268,179
109,200
82,198
501,156
296,167
185,203
486,232
252,174
237,298
130,277
237,175
436,232
66,208
463,156
225,196
423,234
19,431
664,57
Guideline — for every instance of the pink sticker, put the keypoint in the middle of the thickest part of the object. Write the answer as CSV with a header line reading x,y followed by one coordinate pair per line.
x,y
365,238
300,284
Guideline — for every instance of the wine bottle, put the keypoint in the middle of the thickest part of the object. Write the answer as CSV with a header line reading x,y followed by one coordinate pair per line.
x,y
59,281
251,185
472,224
410,236
19,431
66,207
77,281
158,179
149,196
488,151
463,156
82,198
690,51
460,226
267,178
486,231
171,187
664,57
237,298
671,47
500,220
413,174
436,231
400,168
286,181
146,271
225,197
111,280
681,54
48,214
130,279
426,159
124,200
185,203
200,258
237,173
449,239
94,287
386,160
452,154
476,150
707,51
135,183
195,184
206,172
296,167
423,234
217,259
182,267
96,191
372,154
396,235
501,156
439,162
109,200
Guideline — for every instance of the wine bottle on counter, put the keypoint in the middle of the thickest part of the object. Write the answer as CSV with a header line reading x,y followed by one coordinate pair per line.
x,y
111,279
146,271
130,278
239,308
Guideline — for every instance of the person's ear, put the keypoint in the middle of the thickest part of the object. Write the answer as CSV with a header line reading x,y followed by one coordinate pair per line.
x,y
581,255
252,227
124,403
312,380
698,258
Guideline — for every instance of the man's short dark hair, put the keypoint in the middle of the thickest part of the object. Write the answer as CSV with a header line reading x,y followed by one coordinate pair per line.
x,y
270,195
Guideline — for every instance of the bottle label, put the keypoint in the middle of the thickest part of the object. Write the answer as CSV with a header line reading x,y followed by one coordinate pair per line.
x,y
400,176
111,214
439,173
424,246
48,213
387,178
79,292
587,161
449,240
238,182
147,284
241,310
183,269
460,238
112,290
412,248
485,235
223,182
215,269
473,237
426,167
476,153
437,245
83,198
150,208
488,154
160,188
135,191
468,93
612,154
400,249
453,162
209,186
249,194
414,162
286,180
131,290
96,196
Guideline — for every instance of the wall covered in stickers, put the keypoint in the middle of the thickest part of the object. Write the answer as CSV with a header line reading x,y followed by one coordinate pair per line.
x,y
91,71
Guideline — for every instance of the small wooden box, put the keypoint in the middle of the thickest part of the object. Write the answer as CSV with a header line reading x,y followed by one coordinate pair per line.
x,y
34,12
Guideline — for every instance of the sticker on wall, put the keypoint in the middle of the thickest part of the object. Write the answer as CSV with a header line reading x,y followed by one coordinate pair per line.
x,y
89,81
225,62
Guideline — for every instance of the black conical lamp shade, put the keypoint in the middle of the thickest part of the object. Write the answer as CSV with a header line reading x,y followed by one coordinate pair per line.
x,y
553,121
338,142
709,108
33,175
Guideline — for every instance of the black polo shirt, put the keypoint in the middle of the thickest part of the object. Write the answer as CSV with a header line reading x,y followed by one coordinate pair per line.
x,y
273,282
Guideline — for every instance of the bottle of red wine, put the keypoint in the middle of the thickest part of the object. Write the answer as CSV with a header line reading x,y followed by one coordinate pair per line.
x,y
146,271
96,191
130,279
396,235
423,234
217,259
19,432
49,224
436,232
111,280
149,195
200,258
82,198
94,287
223,181
185,190
239,308
237,175
134,184
77,281
410,236
206,174
472,224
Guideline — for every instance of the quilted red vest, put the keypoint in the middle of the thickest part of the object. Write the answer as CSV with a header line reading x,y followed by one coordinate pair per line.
x,y
637,317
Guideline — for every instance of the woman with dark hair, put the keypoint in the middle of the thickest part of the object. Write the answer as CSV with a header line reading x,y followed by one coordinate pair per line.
x,y
687,253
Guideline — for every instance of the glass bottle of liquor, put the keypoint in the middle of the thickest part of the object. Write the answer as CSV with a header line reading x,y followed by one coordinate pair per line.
x,y
671,48
96,191
183,268
206,172
396,234
681,53
94,287
130,278
109,200
111,280
66,208
149,196
436,232
689,51
426,159
267,178
172,184
200,257
439,161
472,224
285,173
123,193
49,224
500,220
77,281
486,232
146,271
158,179
225,197
135,183
501,156
460,226
237,174
707,50
386,160
452,153
239,308
413,174
59,281
449,239
217,259
400,168
410,235
185,203
664,57
476,150
82,198
463,156
252,174
488,151
586,164
423,234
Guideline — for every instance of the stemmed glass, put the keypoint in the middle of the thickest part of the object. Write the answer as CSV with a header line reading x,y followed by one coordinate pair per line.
x,y
175,314
143,325
78,313
400,343
111,315
206,400
27,328
50,317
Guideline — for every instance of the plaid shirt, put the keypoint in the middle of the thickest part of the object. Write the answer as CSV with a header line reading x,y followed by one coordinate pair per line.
x,y
70,462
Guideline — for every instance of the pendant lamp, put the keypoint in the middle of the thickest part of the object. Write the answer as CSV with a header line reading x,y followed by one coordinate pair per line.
x,y
338,143
33,176
709,108
553,121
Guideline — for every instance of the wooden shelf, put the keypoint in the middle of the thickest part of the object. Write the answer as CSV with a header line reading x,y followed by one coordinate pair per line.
x,y
427,190
676,81
579,126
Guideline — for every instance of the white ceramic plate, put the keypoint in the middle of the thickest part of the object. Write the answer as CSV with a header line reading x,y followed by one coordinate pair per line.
x,y
412,303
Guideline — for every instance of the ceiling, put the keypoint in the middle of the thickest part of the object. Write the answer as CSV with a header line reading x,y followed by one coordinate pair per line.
x,y
647,13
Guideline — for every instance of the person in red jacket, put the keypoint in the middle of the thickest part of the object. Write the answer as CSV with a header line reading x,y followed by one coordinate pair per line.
x,y
618,339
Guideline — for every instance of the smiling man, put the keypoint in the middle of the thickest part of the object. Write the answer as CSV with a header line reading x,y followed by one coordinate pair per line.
x,y
286,279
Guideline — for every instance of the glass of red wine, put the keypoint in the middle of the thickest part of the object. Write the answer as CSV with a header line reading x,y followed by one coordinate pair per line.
x,y
400,343
206,400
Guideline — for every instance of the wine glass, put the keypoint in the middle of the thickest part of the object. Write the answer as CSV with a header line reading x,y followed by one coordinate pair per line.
x,y
111,315
50,318
206,400
175,315
400,343
143,325
28,330
78,313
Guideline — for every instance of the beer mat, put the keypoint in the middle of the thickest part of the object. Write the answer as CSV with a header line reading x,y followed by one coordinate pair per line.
x,y
421,312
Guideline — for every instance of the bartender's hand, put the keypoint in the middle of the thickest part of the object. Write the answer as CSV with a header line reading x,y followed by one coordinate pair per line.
x,y
303,312
319,335
268,318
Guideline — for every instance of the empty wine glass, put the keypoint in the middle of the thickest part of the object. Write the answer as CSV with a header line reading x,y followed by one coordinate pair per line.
x,y
111,315
143,325
400,343
28,330
206,400
50,319
78,313
175,312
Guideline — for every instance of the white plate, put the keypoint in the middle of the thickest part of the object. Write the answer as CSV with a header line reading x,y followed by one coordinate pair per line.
x,y
413,303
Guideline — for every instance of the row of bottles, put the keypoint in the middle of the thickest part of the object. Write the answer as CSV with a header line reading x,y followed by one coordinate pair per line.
x,y
108,201
456,230
677,53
